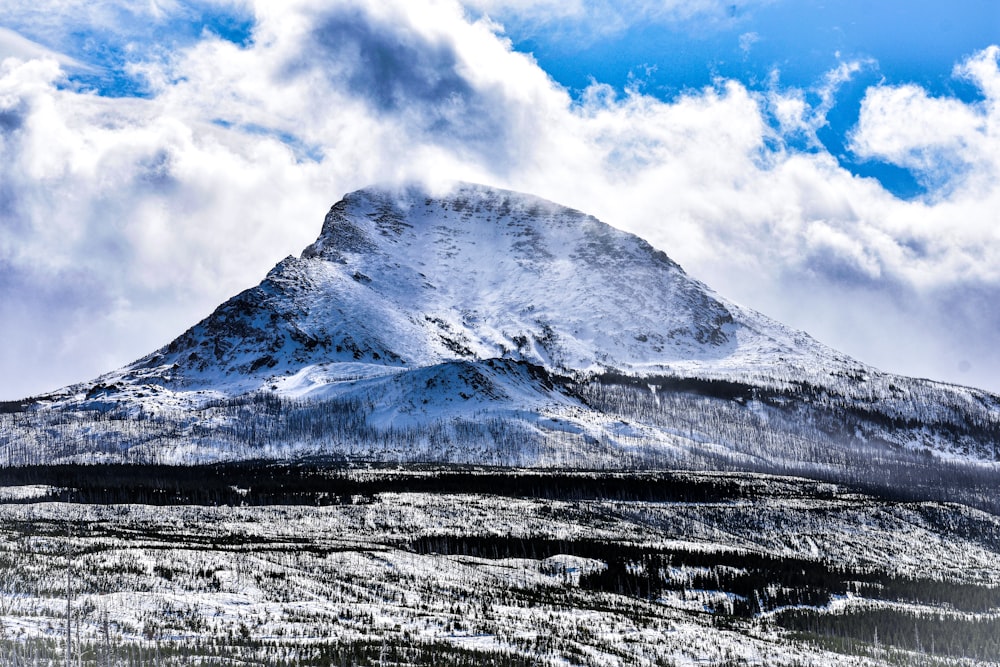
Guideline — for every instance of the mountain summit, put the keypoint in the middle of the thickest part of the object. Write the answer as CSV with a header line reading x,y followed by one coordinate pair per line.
x,y
488,326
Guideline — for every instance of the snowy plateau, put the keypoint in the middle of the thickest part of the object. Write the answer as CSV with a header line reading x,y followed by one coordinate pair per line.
x,y
481,428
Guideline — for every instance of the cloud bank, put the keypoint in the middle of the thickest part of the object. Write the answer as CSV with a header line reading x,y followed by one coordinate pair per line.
x,y
124,219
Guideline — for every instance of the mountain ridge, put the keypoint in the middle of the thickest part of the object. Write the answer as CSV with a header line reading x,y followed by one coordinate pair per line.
x,y
434,313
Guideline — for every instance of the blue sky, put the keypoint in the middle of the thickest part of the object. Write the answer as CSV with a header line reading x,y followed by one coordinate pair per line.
x,y
832,164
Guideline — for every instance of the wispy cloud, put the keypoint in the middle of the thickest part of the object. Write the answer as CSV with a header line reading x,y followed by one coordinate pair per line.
x,y
15,45
597,19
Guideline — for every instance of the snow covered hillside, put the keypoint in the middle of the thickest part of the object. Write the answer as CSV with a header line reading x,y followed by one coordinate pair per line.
x,y
488,326
283,565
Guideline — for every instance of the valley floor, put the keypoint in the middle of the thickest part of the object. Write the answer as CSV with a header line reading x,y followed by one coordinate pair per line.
x,y
500,568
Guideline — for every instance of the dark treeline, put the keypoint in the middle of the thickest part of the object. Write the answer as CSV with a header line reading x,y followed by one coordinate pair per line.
x,y
753,582
12,407
223,650
962,597
723,389
268,483
903,476
876,435
977,638
318,482
756,582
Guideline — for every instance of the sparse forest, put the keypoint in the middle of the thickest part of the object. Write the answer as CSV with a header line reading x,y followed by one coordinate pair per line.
x,y
320,564
653,521
936,452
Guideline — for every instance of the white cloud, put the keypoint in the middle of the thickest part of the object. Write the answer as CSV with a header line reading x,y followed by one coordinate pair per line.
x,y
747,40
125,220
797,118
981,69
792,112
948,143
937,138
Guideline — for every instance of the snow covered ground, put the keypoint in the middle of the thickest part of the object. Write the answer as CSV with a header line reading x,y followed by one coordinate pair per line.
x,y
390,571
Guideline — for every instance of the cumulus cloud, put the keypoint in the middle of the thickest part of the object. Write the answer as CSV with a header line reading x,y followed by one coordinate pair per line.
x,y
127,211
945,141
936,138
123,220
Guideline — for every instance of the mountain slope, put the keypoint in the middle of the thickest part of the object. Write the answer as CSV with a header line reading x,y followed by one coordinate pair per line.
x,y
432,314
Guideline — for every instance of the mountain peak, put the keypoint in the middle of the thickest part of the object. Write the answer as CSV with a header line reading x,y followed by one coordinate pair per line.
x,y
405,277
394,209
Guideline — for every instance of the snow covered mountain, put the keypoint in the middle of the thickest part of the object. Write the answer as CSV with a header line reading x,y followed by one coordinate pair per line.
x,y
485,317
401,279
